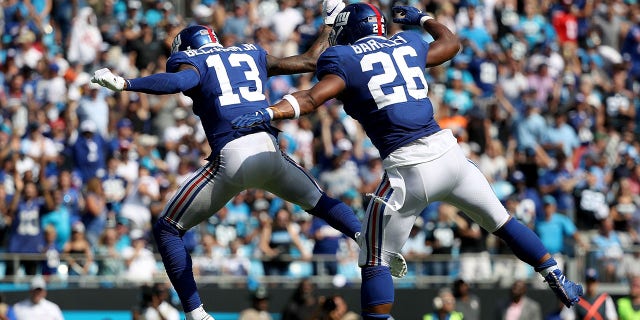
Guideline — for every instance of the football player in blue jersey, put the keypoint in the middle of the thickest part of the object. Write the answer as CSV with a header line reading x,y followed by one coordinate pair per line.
x,y
381,82
225,83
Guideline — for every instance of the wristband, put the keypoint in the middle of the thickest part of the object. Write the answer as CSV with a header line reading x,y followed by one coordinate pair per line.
x,y
270,112
294,103
425,18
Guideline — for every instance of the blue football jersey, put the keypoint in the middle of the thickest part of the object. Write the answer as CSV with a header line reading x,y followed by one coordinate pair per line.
x,y
232,83
485,75
386,89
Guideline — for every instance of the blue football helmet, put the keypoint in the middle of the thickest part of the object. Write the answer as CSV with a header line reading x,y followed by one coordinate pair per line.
x,y
194,37
356,21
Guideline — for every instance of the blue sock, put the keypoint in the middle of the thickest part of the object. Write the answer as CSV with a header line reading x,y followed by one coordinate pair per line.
x,y
547,264
338,215
524,243
376,289
177,263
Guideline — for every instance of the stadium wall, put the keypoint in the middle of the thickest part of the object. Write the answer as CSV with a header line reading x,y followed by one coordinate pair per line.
x,y
410,304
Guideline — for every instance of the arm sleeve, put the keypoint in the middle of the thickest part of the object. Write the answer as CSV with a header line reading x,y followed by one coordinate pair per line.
x,y
164,83
329,63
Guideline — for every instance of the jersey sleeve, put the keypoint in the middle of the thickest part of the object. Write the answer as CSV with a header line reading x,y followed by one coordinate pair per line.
x,y
329,63
262,56
176,59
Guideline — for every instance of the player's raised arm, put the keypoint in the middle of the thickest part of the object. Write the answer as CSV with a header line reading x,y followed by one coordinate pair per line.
x,y
445,45
306,62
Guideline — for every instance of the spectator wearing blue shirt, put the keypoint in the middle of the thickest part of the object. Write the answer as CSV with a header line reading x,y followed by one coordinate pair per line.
x,y
59,218
535,27
238,214
562,136
607,251
327,242
630,49
554,229
473,36
532,128
237,24
559,181
456,96
89,152
26,235
71,196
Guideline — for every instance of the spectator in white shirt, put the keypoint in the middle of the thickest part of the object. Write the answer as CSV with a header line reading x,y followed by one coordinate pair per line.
x,y
37,306
140,262
158,308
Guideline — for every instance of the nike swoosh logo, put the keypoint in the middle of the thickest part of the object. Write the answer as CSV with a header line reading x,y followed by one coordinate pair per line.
x,y
332,10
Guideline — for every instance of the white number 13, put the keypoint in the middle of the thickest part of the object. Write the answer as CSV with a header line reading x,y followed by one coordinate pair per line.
x,y
228,96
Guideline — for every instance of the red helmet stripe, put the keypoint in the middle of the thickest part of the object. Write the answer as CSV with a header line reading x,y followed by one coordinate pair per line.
x,y
378,17
212,36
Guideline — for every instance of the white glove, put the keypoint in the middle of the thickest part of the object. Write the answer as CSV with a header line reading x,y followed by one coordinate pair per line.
x,y
330,10
107,79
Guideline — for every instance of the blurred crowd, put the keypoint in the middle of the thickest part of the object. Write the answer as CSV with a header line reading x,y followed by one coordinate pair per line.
x,y
543,97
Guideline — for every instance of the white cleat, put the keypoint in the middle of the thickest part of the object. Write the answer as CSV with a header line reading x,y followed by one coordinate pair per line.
x,y
397,264
207,317
198,314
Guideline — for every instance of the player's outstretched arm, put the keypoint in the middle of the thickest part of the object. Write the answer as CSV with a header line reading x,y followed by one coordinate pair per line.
x,y
294,105
160,83
306,62
445,45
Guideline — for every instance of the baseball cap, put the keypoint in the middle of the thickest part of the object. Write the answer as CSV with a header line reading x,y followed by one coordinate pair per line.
x,y
136,234
180,114
518,176
88,126
38,283
456,75
58,124
124,123
261,293
78,227
548,199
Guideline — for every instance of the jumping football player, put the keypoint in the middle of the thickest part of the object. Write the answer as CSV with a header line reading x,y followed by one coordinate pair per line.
x,y
225,83
381,82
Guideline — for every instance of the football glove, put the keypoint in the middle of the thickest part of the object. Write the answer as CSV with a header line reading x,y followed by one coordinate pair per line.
x,y
251,119
408,15
330,10
107,79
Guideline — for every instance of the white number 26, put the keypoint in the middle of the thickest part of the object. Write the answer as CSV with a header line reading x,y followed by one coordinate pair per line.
x,y
391,65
